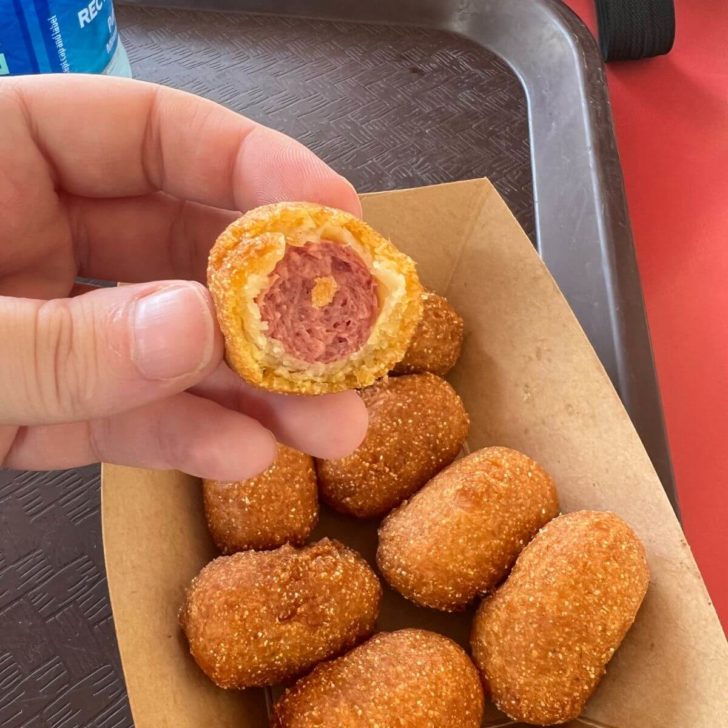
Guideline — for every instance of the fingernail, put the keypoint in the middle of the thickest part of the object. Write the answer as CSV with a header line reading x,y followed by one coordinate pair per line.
x,y
173,332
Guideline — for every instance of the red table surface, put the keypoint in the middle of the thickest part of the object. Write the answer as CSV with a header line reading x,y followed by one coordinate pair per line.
x,y
671,120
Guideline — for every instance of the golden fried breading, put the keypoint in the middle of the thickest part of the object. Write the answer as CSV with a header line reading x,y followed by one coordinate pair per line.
x,y
438,338
406,679
543,640
276,507
417,425
460,534
311,299
259,617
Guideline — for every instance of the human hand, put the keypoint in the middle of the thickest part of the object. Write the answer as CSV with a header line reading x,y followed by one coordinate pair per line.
x,y
118,180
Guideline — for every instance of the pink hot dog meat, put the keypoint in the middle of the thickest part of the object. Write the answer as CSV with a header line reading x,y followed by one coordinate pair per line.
x,y
321,303
311,300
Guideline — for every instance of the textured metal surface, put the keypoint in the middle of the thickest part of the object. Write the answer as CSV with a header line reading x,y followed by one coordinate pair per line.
x,y
59,665
386,106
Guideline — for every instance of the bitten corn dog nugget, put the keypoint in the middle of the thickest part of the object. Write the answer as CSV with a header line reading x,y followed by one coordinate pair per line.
x,y
311,299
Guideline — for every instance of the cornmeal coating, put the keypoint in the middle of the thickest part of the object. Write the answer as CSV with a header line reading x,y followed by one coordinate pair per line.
x,y
259,617
406,679
437,341
458,537
417,426
278,506
543,640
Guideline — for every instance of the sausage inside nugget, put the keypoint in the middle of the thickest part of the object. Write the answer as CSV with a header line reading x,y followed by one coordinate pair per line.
x,y
543,640
458,537
417,425
406,679
279,506
311,299
438,338
259,617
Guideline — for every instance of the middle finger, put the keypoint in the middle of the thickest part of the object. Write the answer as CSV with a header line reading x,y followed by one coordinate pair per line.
x,y
325,426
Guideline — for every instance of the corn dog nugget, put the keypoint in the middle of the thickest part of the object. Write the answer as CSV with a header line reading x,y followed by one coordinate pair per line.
x,y
417,426
460,534
543,640
438,338
276,507
406,679
311,299
258,617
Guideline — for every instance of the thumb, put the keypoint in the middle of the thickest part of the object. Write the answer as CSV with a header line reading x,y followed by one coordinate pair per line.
x,y
103,352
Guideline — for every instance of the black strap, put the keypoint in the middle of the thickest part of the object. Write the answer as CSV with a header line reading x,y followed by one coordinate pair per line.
x,y
632,29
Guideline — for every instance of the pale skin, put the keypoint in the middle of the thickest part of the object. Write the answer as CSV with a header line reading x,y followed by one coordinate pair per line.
x,y
124,181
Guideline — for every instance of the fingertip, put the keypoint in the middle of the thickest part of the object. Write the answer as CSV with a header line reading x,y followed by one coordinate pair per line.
x,y
218,343
258,462
244,452
276,168
338,425
208,329
326,426
323,185
348,411
337,191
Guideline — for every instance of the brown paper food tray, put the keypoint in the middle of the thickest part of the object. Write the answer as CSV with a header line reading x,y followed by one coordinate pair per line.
x,y
530,380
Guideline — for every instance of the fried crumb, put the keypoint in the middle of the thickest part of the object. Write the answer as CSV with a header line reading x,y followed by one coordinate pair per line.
x,y
323,292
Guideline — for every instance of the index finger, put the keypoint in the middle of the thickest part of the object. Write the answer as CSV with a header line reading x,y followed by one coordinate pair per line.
x,y
110,137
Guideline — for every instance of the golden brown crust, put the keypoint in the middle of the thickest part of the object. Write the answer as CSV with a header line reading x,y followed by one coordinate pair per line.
x,y
406,679
457,537
242,251
417,426
543,640
259,617
437,341
276,507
